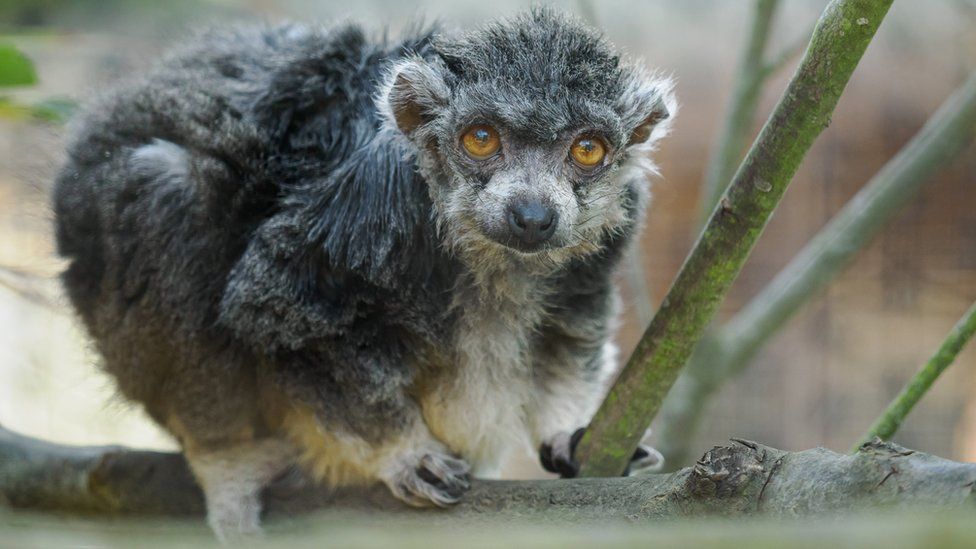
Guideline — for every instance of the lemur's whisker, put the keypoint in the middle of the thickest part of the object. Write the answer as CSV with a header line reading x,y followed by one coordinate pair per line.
x,y
616,194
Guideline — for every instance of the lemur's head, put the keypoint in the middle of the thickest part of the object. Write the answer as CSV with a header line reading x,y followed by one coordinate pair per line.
x,y
524,130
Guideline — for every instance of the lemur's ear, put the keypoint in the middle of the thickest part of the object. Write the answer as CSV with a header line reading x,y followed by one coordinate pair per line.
x,y
415,91
659,113
646,107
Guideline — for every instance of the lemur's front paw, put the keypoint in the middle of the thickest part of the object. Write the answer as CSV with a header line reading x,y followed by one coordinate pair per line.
x,y
559,456
435,479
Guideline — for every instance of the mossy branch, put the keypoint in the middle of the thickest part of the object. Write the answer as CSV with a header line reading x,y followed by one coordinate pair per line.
x,y
726,351
842,35
898,410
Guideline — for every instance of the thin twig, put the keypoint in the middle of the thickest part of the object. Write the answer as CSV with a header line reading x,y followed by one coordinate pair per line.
x,y
741,111
637,282
895,414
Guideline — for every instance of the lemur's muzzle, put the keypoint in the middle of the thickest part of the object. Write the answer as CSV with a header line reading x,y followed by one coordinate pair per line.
x,y
531,223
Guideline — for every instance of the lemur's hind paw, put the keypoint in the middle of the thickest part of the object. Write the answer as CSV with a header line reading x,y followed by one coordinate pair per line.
x,y
559,456
436,479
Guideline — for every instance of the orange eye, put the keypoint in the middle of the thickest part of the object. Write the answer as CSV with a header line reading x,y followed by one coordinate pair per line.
x,y
481,142
588,152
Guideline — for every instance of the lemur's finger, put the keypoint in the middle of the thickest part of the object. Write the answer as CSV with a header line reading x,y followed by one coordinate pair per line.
x,y
545,458
436,479
567,468
556,456
559,455
645,460
447,474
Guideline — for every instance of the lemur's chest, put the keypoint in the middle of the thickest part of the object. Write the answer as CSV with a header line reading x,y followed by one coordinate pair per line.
x,y
481,402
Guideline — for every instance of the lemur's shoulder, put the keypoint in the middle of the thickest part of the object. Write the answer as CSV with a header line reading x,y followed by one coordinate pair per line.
x,y
352,228
273,131
352,187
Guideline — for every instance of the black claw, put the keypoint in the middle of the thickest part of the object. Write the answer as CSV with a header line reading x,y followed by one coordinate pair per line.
x,y
454,486
639,453
570,468
454,491
575,439
567,468
545,457
429,477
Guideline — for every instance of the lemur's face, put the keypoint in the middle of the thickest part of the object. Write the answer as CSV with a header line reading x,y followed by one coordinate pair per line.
x,y
523,131
526,193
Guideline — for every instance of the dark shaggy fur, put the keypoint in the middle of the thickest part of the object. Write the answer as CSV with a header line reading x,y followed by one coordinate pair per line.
x,y
275,229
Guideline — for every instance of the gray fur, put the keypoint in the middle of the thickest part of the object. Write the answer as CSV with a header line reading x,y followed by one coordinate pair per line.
x,y
275,233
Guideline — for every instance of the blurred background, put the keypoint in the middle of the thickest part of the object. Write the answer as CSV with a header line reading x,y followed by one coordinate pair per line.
x,y
820,382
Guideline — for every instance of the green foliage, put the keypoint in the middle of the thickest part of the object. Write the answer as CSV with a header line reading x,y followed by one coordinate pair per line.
x,y
50,110
54,109
15,68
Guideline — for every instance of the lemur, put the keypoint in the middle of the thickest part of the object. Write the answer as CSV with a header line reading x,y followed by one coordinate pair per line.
x,y
381,261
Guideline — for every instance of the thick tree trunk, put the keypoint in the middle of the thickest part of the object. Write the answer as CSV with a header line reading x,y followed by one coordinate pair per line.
x,y
740,479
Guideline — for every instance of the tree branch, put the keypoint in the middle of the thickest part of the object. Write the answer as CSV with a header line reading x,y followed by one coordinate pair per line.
x,y
741,111
743,478
891,419
726,351
843,33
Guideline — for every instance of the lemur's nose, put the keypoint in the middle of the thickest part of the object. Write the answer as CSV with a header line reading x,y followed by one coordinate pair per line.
x,y
531,222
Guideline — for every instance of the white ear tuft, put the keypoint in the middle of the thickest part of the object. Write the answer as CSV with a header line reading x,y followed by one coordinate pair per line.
x,y
413,94
646,107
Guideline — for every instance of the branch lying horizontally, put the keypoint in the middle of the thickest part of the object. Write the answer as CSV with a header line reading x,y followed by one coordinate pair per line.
x,y
743,478
726,351
840,39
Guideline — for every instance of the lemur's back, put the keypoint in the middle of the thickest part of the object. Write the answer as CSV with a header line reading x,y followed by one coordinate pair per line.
x,y
168,178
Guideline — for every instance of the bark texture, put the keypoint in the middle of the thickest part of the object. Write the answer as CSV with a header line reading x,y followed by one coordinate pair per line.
x,y
743,478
